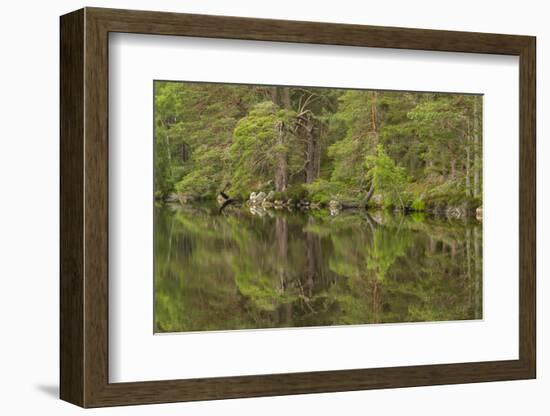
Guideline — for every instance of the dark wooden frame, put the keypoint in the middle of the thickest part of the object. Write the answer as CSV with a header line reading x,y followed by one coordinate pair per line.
x,y
84,207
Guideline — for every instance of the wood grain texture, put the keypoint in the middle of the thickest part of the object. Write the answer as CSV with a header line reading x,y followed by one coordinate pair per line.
x,y
527,207
71,213
84,207
96,208
162,23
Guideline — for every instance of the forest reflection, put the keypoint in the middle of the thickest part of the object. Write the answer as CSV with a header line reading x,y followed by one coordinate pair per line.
x,y
246,269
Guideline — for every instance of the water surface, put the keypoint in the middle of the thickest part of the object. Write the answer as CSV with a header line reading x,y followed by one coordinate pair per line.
x,y
248,269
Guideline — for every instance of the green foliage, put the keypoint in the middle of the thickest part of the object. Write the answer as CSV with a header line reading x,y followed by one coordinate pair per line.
x,y
388,178
256,147
294,192
418,204
422,150
349,152
323,191
202,182
418,217
386,247
263,291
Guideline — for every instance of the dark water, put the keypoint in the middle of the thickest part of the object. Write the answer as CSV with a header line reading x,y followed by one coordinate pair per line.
x,y
277,269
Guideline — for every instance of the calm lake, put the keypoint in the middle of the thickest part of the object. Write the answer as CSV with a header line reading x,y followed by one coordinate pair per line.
x,y
246,269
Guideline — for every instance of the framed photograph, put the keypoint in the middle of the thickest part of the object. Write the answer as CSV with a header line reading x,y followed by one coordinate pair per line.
x,y
264,207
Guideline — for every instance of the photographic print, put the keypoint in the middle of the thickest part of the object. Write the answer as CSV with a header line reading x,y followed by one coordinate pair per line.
x,y
290,206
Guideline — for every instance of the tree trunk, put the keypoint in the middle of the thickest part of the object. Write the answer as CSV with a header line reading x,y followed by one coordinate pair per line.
x,y
478,270
275,95
317,150
369,195
469,264
376,302
285,97
169,155
374,130
453,169
184,152
281,97
313,148
281,171
313,251
433,245
468,161
477,149
281,238
374,114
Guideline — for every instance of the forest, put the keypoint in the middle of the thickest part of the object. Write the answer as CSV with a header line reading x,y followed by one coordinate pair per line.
x,y
318,147
280,206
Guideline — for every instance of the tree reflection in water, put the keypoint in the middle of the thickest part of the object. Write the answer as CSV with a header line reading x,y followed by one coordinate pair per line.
x,y
274,269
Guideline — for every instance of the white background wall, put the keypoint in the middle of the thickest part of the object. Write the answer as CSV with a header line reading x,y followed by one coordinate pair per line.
x,y
29,159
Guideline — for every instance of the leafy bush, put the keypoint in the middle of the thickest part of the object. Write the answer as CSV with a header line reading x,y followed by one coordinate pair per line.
x,y
389,178
448,194
321,191
296,192
418,204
